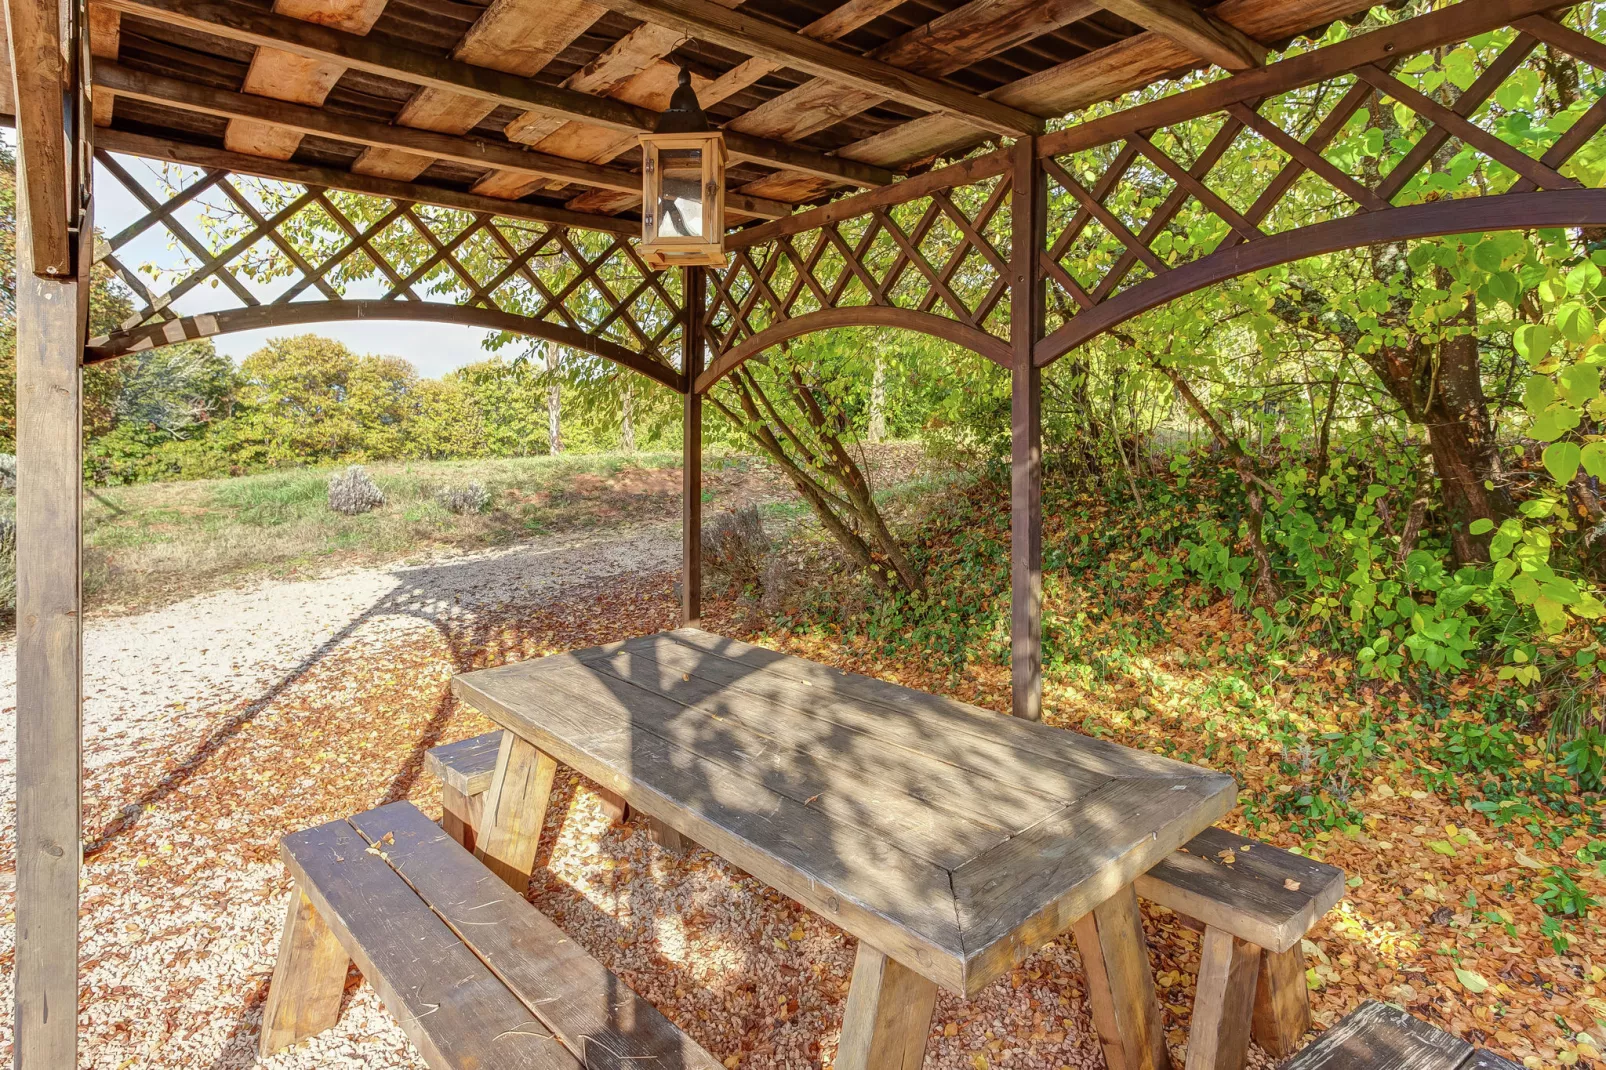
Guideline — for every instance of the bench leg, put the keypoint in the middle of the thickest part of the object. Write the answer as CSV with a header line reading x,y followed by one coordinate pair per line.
x,y
1224,1002
614,805
309,979
1121,984
461,815
515,809
666,837
888,1016
1282,1002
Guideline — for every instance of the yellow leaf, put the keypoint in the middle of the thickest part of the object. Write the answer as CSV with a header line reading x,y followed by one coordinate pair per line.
x,y
951,1029
978,1060
1291,884
1227,857
1527,861
1472,982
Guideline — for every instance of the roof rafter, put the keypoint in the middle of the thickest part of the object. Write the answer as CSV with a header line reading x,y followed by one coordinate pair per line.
x,y
1203,34
299,119
236,23
764,40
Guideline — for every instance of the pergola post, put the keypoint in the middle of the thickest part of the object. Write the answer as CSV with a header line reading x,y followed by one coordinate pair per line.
x,y
1028,226
691,487
51,321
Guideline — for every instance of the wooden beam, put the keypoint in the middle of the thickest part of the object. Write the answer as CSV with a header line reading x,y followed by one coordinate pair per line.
x,y
1028,223
237,23
1203,34
948,43
39,77
694,281
156,148
1105,74
51,316
300,119
286,76
710,22
105,39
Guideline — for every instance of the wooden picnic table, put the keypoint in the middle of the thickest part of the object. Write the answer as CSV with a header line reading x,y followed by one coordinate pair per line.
x,y
951,841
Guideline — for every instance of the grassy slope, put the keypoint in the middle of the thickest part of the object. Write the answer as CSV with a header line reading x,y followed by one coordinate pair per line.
x,y
149,543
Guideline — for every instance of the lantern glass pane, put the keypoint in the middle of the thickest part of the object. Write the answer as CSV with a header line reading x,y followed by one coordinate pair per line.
x,y
680,197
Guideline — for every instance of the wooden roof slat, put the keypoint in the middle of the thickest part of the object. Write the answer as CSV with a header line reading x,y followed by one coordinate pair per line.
x,y
105,38
1097,76
1204,35
287,76
563,141
515,36
946,44
709,21
238,23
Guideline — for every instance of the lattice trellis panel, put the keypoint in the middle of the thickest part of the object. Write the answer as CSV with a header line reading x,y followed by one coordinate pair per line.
x,y
1165,186
943,255
278,254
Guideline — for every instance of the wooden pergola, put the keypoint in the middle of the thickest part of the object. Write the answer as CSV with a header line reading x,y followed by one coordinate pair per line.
x,y
496,146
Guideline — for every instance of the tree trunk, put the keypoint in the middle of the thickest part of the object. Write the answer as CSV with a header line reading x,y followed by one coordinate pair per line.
x,y
878,402
554,408
627,425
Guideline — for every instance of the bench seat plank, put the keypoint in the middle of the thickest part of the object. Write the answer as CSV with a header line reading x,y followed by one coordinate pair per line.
x,y
466,765
1381,1037
575,996
453,1009
1250,897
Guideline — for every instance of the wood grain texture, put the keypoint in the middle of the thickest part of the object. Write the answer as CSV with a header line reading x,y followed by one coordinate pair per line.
x,y
1204,35
887,1020
1381,1037
39,78
287,76
454,1010
751,36
50,314
1282,1002
467,765
105,41
1028,223
515,809
462,815
309,979
842,791
1229,968
517,37
586,1007
1115,958
1248,897
666,837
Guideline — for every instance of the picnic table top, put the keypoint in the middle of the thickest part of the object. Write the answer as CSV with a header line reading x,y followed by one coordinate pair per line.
x,y
951,838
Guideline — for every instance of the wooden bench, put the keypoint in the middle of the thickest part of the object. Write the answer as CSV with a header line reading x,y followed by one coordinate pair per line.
x,y
1253,906
1378,1036
475,976
1254,903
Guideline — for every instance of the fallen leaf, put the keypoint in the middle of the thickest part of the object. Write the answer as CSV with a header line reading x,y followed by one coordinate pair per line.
x,y
1291,884
1227,856
1472,982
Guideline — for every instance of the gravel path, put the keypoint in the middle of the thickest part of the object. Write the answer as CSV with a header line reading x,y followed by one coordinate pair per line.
x,y
215,726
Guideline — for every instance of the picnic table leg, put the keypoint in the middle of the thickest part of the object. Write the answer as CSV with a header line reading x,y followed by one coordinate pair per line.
x,y
309,979
888,1016
1121,984
515,809
614,805
461,815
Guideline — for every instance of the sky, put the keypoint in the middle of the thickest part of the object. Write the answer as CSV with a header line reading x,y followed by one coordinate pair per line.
x,y
432,348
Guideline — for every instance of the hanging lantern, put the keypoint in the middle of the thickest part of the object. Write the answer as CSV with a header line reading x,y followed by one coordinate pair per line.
x,y
683,186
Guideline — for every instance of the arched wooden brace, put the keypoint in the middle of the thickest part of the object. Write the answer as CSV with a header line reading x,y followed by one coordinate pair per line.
x,y
230,321
1502,211
979,342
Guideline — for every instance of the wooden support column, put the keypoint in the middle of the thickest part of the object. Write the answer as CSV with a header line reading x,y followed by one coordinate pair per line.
x,y
888,1017
1028,215
51,327
515,810
691,487
1120,985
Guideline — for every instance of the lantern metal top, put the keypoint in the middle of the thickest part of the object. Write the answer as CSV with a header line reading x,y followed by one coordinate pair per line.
x,y
684,115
